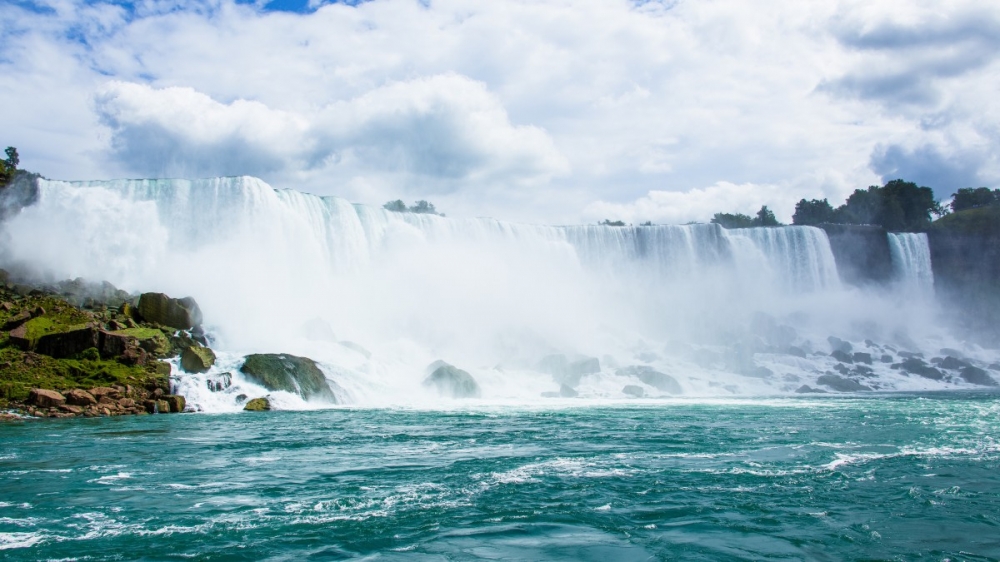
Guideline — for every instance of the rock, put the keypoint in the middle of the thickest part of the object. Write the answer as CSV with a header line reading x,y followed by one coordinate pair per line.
x,y
17,320
105,392
953,363
197,359
633,390
837,344
80,397
886,358
806,389
176,402
127,403
62,345
75,410
975,375
299,375
910,355
258,405
918,367
453,382
796,351
18,337
150,406
162,407
842,356
182,314
45,398
842,369
111,344
567,392
841,384
865,358
652,377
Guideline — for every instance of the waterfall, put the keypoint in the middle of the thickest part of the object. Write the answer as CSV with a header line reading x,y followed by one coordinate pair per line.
x,y
285,271
911,259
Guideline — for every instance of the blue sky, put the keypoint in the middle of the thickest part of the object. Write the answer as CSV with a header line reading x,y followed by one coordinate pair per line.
x,y
542,111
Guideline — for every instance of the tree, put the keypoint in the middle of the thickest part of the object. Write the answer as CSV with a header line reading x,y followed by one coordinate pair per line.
x,y
396,206
968,198
898,205
815,211
8,166
423,207
607,222
765,217
733,220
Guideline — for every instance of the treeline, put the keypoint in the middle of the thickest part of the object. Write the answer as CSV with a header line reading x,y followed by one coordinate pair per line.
x,y
765,217
8,167
421,207
898,205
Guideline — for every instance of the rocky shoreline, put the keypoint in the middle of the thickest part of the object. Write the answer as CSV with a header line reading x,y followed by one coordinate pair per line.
x,y
77,349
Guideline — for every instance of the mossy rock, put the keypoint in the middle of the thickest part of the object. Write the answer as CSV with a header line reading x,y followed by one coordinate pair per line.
x,y
197,359
150,339
258,405
182,314
452,382
289,373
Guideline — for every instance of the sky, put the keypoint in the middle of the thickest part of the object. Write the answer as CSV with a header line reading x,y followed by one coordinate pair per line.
x,y
549,111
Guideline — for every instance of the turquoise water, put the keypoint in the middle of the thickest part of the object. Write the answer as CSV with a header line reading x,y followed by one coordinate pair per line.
x,y
874,478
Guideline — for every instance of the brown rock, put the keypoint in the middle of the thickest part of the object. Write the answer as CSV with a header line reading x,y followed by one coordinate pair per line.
x,y
149,406
6,306
75,410
46,398
134,356
182,314
106,411
114,345
100,391
80,397
176,402
38,312
17,320
162,407
157,393
19,338
126,403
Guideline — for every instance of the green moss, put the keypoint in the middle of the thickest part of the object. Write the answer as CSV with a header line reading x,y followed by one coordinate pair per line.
x,y
21,371
151,339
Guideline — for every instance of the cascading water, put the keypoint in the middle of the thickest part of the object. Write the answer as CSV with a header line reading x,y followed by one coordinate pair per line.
x,y
375,296
911,260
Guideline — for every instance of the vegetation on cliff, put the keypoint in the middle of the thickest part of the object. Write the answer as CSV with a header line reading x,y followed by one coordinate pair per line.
x,y
765,217
420,207
899,206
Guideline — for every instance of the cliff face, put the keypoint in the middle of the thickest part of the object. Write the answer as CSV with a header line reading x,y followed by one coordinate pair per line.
x,y
965,252
862,253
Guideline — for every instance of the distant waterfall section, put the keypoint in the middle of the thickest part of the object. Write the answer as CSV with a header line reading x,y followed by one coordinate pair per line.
x,y
911,260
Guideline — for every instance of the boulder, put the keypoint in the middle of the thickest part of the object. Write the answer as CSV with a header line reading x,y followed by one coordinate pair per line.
x,y
837,344
841,384
299,375
452,382
886,358
162,407
17,320
80,397
567,392
918,367
842,356
258,405
633,391
865,358
652,377
218,383
953,363
18,338
62,345
112,345
975,375
182,314
45,398
197,359
75,410
806,389
105,391
176,402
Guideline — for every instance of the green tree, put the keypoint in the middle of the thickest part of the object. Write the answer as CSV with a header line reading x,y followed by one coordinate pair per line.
x,y
765,218
968,198
396,206
607,222
815,211
423,207
9,166
733,220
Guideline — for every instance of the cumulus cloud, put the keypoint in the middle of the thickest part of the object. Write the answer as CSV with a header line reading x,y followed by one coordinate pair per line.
x,y
695,205
446,127
928,165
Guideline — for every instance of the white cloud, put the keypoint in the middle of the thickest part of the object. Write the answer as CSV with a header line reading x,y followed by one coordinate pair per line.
x,y
524,110
695,205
